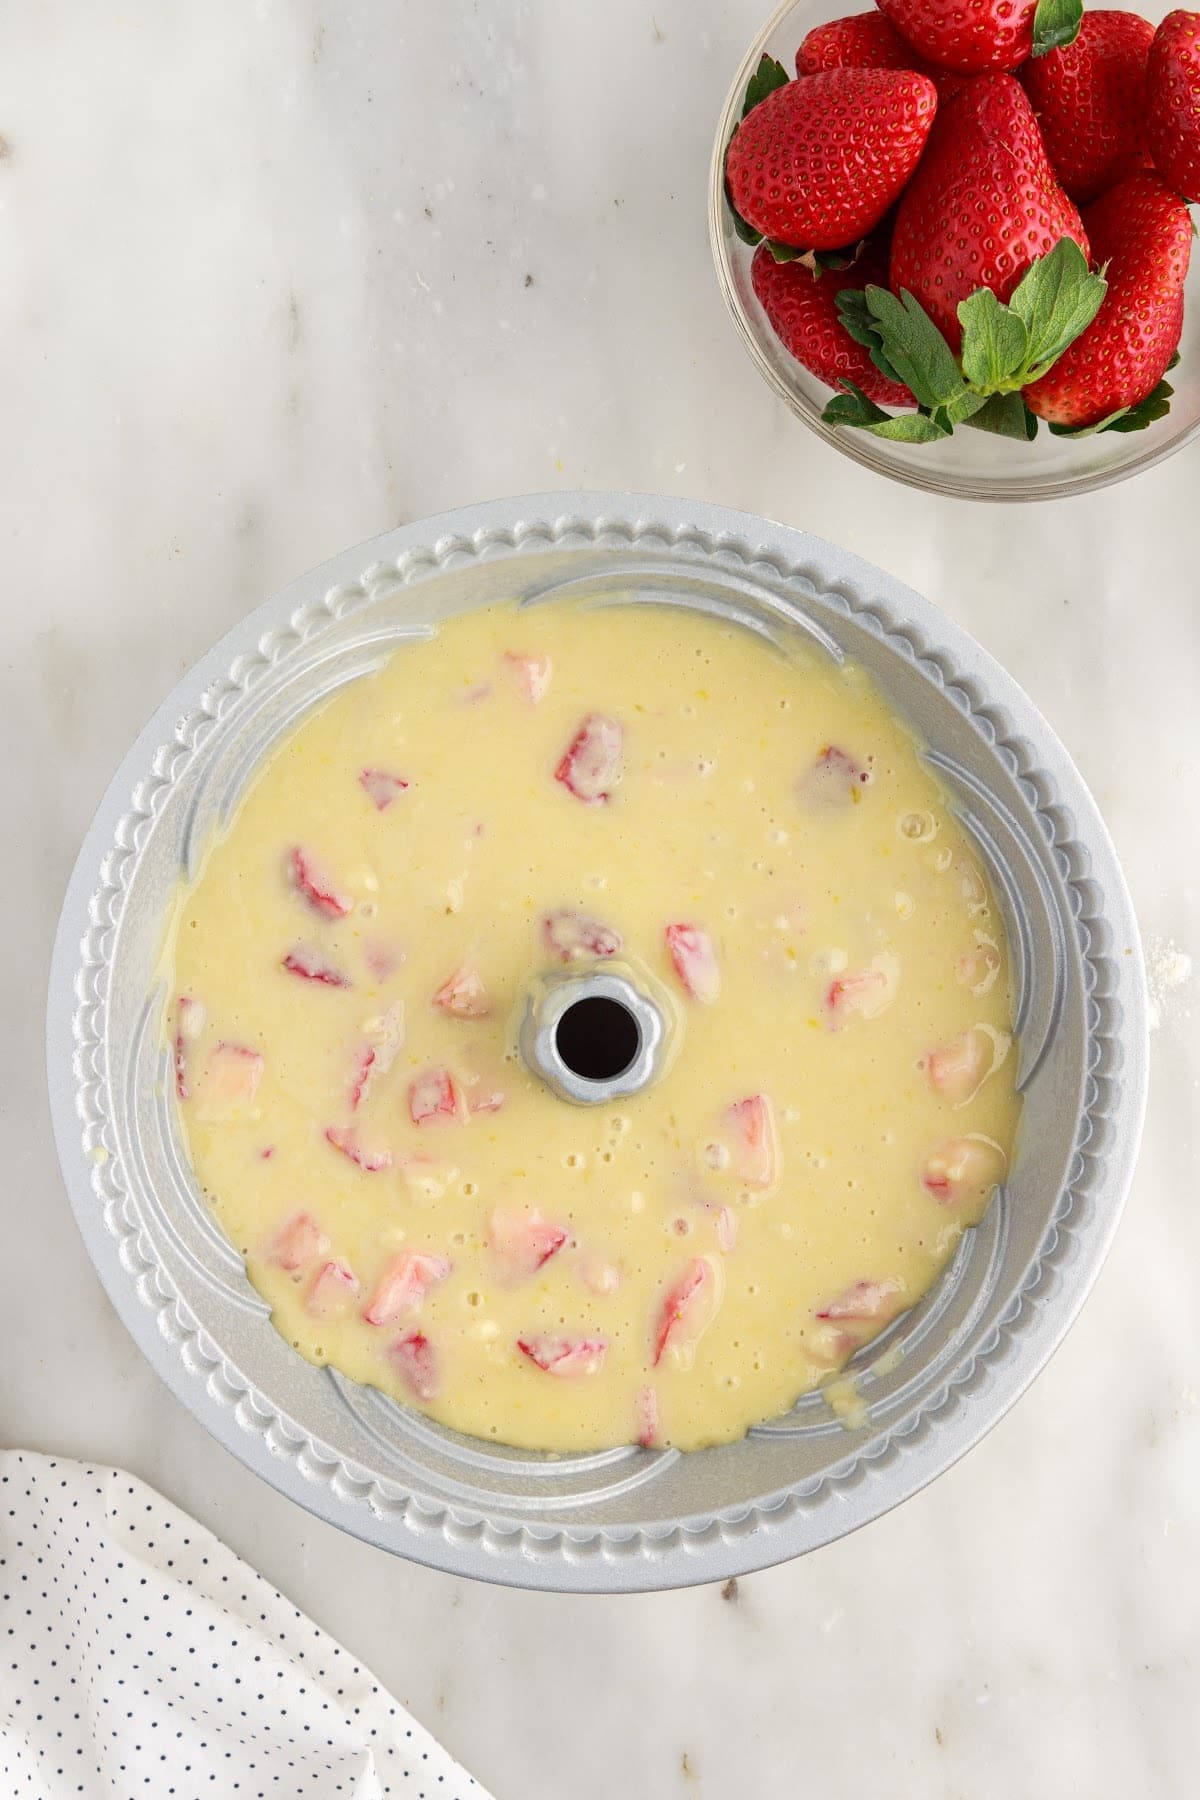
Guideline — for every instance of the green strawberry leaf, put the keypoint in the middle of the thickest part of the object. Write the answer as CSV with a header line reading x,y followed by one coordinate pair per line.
x,y
1007,416
1057,297
859,321
1055,24
1156,405
916,349
768,76
746,232
854,408
1174,362
995,341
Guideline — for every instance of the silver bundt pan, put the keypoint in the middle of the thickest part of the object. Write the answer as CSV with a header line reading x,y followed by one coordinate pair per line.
x,y
627,1519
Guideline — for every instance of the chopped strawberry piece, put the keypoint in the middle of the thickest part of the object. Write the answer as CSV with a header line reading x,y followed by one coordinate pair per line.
x,y
695,962
727,1228
333,1291
228,1085
475,695
828,1345
591,764
435,1094
414,1357
268,1153
566,1356
866,992
299,1240
484,1096
345,1139
979,968
384,1036
382,959
874,1300
310,965
426,1178
521,1242
310,880
688,1309
834,781
958,1069
381,786
573,936
404,1284
189,1023
646,1414
530,675
463,994
756,1145
962,1169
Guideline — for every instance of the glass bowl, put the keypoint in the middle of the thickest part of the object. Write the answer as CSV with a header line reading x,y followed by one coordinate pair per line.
x,y
623,1519
974,465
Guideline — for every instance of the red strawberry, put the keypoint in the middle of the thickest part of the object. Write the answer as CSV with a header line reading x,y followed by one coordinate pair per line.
x,y
417,1364
756,1147
867,41
521,1243
529,674
590,766
695,962
372,1158
573,936
688,1309
802,310
381,786
821,159
463,994
962,1169
865,1300
987,34
332,1291
1144,233
1173,102
835,779
189,1023
320,891
958,1069
298,1241
404,1284
310,965
1090,99
983,204
565,1356
435,1094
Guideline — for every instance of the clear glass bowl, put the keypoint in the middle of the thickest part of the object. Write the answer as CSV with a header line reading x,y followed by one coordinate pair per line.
x,y
972,464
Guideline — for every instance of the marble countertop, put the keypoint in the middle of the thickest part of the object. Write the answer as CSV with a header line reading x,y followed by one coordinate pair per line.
x,y
279,274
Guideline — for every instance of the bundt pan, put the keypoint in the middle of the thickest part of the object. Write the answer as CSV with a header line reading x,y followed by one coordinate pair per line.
x,y
627,1519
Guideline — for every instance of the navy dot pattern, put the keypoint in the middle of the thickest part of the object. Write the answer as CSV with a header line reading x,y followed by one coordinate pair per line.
x,y
140,1656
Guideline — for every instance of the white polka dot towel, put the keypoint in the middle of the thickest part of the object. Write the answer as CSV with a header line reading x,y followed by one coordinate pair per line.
x,y
139,1656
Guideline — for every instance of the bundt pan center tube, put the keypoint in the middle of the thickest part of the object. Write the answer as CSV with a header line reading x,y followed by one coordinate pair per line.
x,y
625,1519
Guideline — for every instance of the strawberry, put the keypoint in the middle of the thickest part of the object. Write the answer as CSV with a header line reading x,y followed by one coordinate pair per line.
x,y
865,992
801,307
646,1417
727,1229
835,778
382,958
756,1150
987,34
310,965
1173,102
228,1083
958,1069
962,1169
384,1038
521,1243
1090,99
868,41
574,937
372,1158
978,969
416,1363
381,786
332,1291
694,961
529,675
434,1094
189,1023
463,994
819,162
299,1240
404,1284
566,1356
983,204
1144,233
590,766
311,881
875,1300
688,1309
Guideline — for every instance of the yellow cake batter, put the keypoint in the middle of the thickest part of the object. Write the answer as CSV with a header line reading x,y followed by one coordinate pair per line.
x,y
756,835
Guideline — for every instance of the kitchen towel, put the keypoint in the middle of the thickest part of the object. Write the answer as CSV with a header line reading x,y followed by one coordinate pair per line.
x,y
139,1656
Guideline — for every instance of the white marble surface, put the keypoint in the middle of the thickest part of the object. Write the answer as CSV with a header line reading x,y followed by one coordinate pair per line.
x,y
279,275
